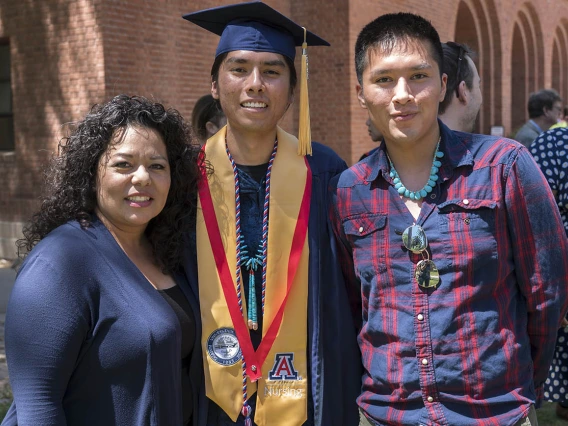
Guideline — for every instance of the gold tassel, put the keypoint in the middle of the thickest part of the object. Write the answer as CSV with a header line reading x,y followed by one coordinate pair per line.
x,y
304,130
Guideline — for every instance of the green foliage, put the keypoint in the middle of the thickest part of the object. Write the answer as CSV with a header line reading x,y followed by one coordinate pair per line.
x,y
546,416
5,400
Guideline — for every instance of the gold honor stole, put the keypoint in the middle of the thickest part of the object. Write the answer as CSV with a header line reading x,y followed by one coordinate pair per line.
x,y
277,371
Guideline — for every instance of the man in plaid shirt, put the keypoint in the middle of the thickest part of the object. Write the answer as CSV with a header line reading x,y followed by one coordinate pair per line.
x,y
453,242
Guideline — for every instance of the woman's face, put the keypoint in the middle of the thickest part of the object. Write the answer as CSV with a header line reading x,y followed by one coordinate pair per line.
x,y
133,179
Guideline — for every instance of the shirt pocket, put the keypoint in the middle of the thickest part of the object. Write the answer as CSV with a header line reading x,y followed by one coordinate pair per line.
x,y
467,228
367,234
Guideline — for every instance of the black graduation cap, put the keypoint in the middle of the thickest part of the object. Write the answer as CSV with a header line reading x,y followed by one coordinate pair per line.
x,y
254,26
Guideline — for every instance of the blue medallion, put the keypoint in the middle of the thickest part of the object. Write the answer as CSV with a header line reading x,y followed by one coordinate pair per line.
x,y
223,346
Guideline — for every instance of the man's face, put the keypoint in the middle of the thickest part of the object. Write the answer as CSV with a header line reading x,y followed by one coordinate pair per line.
x,y
373,132
402,90
253,89
475,99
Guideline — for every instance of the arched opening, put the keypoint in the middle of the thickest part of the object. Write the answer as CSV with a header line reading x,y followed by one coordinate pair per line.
x,y
527,63
537,44
518,80
494,67
466,32
478,27
557,75
529,39
562,40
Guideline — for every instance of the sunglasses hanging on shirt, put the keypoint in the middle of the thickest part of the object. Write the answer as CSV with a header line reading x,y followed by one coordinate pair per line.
x,y
426,274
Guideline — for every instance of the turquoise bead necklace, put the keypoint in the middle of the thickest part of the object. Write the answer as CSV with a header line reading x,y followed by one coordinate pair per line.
x,y
421,193
247,259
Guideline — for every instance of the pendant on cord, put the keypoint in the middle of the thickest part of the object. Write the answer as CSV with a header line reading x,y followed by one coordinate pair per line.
x,y
251,264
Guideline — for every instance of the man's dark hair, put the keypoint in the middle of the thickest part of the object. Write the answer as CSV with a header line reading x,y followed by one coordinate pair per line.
x,y
455,56
72,175
219,60
545,98
387,31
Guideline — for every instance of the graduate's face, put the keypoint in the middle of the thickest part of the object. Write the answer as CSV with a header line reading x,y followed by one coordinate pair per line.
x,y
253,89
133,179
402,89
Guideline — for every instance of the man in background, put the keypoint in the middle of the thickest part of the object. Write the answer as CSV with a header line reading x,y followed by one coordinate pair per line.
x,y
545,108
375,135
463,98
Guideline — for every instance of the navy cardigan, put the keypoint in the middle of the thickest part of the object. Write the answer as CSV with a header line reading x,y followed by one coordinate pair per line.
x,y
89,341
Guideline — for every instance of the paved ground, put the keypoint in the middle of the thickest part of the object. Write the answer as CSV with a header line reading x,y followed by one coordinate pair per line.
x,y
7,277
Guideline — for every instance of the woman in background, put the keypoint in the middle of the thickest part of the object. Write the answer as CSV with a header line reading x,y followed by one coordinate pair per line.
x,y
207,118
550,150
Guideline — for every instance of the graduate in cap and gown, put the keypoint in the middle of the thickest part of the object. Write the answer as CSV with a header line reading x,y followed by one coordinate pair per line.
x,y
278,337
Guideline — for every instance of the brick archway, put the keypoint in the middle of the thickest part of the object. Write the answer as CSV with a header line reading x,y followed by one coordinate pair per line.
x,y
538,43
560,60
557,67
527,62
478,27
519,70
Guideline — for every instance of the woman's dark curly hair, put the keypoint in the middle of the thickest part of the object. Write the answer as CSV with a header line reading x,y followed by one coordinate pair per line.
x,y
71,176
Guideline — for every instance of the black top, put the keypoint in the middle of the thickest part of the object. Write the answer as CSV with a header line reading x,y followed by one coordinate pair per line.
x,y
258,173
175,297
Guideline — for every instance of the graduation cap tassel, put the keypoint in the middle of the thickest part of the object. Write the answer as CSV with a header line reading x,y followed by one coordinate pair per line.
x,y
304,131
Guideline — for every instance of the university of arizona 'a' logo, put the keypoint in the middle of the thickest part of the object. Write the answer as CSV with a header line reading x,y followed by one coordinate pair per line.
x,y
283,368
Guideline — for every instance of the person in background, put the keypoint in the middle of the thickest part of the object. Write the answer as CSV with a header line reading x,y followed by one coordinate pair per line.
x,y
462,101
550,152
455,245
207,118
375,137
545,108
102,327
279,342
563,121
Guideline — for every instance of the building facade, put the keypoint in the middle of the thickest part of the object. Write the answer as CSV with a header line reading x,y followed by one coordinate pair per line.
x,y
58,57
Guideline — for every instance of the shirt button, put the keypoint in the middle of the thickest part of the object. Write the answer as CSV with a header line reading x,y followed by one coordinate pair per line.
x,y
424,361
360,230
432,196
466,201
430,399
420,317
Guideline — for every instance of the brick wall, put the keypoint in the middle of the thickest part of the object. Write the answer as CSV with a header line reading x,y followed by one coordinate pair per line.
x,y
57,71
493,22
68,54
151,51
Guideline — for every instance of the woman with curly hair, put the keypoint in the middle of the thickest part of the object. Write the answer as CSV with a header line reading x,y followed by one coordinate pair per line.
x,y
101,325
